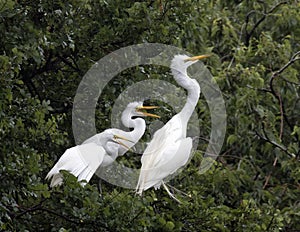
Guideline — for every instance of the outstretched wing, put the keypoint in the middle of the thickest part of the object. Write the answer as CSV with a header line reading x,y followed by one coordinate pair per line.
x,y
82,161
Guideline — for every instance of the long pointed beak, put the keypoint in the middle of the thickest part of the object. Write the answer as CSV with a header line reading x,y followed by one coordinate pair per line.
x,y
123,138
148,108
197,57
150,115
117,137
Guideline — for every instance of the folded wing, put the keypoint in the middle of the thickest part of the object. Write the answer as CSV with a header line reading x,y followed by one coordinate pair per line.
x,y
164,155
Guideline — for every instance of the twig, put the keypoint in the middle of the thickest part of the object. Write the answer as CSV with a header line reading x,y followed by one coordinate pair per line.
x,y
60,215
135,217
282,114
258,22
70,64
290,82
266,139
294,58
27,210
259,89
277,95
39,207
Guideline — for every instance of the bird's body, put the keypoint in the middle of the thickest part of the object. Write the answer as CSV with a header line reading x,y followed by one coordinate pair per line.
x,y
137,124
170,149
160,159
101,149
82,160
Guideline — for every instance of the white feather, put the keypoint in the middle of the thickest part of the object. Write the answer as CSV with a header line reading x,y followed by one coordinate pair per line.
x,y
82,161
100,150
169,150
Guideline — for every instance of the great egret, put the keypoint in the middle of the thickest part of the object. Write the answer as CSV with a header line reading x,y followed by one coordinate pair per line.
x,y
170,149
101,149
83,160
134,109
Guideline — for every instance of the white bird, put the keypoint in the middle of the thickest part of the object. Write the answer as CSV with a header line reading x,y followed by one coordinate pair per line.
x,y
169,148
138,126
83,160
102,149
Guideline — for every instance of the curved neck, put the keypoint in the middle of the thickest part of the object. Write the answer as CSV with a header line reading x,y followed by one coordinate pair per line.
x,y
138,125
193,89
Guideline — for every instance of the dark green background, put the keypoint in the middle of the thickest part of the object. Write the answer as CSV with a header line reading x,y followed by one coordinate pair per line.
x,y
46,48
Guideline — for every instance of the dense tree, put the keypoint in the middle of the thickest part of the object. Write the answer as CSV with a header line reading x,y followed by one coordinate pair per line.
x,y
46,48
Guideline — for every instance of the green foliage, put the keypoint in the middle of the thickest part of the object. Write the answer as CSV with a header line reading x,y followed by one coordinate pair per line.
x,y
46,47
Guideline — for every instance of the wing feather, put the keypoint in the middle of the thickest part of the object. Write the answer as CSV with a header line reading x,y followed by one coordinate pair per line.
x,y
165,154
178,155
82,161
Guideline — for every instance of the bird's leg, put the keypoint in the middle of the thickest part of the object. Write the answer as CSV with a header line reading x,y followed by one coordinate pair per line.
x,y
170,194
100,187
181,192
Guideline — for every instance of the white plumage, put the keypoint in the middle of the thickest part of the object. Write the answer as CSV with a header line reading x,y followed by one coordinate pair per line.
x,y
102,149
82,161
138,125
169,149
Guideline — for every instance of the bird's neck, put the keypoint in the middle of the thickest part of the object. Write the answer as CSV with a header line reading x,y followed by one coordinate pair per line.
x,y
138,125
193,90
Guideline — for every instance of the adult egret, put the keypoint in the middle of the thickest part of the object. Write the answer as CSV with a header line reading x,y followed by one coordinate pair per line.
x,y
170,149
102,149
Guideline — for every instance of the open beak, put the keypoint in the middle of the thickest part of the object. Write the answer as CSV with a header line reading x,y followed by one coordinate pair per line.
x,y
197,57
140,108
117,137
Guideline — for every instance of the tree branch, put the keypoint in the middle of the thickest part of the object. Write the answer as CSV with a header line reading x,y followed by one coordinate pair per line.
x,y
292,60
258,22
282,113
27,210
68,63
39,207
281,147
283,116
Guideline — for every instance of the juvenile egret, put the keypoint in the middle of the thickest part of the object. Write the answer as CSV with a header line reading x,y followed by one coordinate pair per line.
x,y
102,149
170,149
134,109
83,160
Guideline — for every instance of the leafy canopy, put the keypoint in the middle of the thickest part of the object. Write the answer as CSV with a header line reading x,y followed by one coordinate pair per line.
x,y
47,46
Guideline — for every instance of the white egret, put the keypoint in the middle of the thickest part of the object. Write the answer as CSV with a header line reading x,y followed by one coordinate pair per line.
x,y
169,148
83,160
102,149
138,125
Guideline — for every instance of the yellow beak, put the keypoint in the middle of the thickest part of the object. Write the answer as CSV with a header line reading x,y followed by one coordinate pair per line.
x,y
116,137
147,107
139,108
197,57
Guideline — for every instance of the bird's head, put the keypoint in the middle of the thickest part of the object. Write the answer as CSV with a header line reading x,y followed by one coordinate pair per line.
x,y
137,109
181,62
110,135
